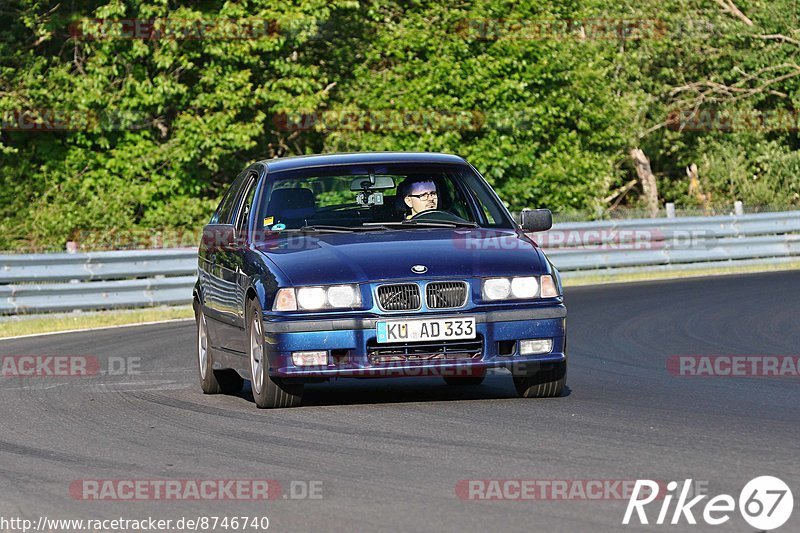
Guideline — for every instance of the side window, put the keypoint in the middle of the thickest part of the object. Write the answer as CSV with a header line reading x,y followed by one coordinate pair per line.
x,y
486,213
246,205
225,209
215,216
489,206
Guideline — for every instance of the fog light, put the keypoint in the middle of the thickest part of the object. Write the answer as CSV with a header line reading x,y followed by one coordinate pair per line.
x,y
535,346
318,358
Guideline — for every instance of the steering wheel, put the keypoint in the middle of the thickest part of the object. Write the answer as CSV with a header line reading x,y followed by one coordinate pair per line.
x,y
437,214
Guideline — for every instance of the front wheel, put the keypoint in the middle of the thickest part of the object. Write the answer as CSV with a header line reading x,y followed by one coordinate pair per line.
x,y
268,392
544,384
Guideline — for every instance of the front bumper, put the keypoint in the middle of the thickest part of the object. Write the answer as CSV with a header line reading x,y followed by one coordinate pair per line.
x,y
348,340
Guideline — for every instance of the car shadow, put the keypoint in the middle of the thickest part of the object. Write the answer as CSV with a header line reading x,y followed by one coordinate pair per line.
x,y
403,390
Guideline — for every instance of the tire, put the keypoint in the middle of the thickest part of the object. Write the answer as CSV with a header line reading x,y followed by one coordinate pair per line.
x,y
544,384
208,379
212,381
268,392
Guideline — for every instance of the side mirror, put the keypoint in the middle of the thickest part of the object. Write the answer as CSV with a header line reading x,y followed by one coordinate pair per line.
x,y
534,220
219,237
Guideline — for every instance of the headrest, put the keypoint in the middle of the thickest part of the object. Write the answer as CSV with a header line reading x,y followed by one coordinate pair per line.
x,y
290,199
291,207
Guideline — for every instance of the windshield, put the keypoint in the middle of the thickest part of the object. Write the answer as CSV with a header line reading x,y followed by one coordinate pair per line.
x,y
397,195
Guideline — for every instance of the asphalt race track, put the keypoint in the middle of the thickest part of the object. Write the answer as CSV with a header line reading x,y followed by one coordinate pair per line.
x,y
387,455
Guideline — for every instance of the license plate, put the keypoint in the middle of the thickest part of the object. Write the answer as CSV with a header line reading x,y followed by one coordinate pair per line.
x,y
434,329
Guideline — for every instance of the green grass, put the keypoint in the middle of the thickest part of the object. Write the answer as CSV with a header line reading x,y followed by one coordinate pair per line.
x,y
23,325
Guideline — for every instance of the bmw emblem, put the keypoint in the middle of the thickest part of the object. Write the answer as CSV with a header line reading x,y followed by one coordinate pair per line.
x,y
419,269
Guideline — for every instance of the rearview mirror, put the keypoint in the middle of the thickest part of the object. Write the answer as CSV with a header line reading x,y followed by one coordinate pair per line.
x,y
536,220
381,183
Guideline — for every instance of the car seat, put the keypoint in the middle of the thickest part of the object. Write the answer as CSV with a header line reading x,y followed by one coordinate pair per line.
x,y
292,207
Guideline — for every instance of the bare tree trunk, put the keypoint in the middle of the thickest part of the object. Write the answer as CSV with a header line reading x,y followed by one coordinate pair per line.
x,y
648,180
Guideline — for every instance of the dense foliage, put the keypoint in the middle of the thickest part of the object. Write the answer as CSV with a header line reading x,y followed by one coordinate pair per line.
x,y
545,98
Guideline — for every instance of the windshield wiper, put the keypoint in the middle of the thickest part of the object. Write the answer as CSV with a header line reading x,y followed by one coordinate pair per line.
x,y
425,224
333,229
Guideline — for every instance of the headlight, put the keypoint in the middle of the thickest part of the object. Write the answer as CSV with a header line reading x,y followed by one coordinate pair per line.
x,y
524,287
519,288
311,298
316,298
342,296
496,289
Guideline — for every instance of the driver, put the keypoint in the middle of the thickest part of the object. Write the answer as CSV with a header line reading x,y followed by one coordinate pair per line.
x,y
419,194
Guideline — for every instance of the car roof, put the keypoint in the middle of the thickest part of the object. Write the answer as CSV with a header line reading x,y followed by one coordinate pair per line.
x,y
357,158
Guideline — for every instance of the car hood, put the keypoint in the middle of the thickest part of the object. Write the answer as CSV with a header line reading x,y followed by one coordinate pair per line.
x,y
310,259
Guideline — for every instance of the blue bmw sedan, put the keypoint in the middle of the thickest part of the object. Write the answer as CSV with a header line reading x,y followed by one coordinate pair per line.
x,y
373,265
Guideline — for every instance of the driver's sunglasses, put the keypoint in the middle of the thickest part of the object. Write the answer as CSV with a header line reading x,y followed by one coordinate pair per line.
x,y
425,195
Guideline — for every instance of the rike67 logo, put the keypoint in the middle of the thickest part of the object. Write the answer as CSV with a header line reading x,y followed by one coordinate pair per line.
x,y
765,503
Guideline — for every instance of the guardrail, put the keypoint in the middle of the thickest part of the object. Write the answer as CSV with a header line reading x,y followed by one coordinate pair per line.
x,y
39,283
592,248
